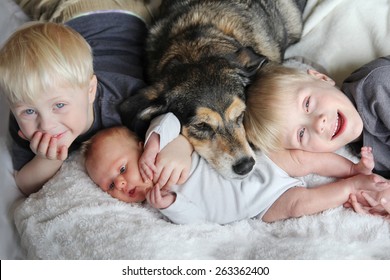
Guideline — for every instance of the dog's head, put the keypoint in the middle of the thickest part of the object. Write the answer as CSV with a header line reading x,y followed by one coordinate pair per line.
x,y
209,100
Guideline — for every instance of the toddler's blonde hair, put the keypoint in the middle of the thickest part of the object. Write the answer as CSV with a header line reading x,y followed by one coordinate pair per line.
x,y
273,90
42,56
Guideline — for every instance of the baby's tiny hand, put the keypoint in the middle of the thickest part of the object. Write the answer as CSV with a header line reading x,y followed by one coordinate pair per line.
x,y
159,199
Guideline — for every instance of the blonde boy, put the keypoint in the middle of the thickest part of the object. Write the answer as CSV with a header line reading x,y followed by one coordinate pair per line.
x,y
64,81
295,116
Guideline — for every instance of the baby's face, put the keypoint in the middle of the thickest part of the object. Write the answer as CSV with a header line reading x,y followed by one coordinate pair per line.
x,y
322,119
114,168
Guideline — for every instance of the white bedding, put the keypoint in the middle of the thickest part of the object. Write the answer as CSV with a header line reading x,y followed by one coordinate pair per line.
x,y
70,218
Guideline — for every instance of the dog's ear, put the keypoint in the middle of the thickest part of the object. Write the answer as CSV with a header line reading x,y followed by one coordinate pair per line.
x,y
136,111
248,62
144,105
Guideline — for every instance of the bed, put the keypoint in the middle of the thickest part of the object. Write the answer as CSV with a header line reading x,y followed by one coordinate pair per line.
x,y
70,218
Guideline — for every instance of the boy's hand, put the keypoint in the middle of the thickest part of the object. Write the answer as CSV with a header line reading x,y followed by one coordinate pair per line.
x,y
160,199
372,182
173,163
46,146
375,208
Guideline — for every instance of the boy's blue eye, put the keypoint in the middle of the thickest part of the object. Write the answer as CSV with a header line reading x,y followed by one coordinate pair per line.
x,y
307,104
60,105
29,111
123,169
301,133
111,186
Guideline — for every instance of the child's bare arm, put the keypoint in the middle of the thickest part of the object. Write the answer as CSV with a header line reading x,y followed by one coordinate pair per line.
x,y
299,163
36,173
301,201
48,160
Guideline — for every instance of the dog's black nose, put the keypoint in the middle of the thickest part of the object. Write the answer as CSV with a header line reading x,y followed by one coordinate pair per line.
x,y
244,165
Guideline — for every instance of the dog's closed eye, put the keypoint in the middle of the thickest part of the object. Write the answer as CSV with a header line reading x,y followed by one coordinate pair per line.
x,y
240,119
201,130
203,126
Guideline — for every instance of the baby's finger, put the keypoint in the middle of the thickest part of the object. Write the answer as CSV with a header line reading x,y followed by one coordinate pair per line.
x,y
144,176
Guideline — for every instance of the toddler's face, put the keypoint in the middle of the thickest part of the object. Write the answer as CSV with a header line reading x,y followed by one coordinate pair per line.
x,y
322,119
63,112
114,168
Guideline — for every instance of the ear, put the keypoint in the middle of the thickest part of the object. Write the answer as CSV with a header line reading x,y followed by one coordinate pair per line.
x,y
92,89
314,73
136,111
140,145
248,63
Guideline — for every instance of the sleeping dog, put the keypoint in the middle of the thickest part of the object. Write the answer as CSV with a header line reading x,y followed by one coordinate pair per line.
x,y
201,57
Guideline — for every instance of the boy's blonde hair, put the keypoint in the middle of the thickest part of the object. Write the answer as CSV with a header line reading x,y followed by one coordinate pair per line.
x,y
41,56
274,89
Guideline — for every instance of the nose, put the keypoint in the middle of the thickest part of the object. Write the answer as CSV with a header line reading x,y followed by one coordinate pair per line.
x,y
244,165
120,183
320,123
46,123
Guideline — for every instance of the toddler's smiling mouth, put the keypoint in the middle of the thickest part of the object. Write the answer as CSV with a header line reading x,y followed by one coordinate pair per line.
x,y
339,126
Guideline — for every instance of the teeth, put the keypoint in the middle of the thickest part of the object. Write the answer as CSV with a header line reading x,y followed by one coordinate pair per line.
x,y
337,125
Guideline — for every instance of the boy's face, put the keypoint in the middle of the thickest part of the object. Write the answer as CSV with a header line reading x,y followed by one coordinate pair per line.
x,y
113,166
321,119
64,113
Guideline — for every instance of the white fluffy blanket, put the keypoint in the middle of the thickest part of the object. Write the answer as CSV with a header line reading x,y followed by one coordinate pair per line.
x,y
70,218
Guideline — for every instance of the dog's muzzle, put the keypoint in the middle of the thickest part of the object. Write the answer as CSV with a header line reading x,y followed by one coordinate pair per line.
x,y
244,165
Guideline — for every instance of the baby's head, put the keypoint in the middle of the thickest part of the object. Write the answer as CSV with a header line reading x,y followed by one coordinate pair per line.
x,y
111,160
39,57
289,108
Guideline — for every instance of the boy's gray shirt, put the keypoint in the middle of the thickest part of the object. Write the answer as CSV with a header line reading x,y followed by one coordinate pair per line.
x,y
369,90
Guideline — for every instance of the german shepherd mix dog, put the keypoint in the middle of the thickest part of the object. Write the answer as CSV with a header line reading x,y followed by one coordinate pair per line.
x,y
202,55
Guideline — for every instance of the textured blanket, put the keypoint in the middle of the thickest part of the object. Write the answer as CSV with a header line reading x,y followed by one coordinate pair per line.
x,y
71,218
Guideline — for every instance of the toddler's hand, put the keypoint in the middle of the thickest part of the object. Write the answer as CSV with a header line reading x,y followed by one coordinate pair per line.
x,y
381,208
46,146
173,163
147,160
